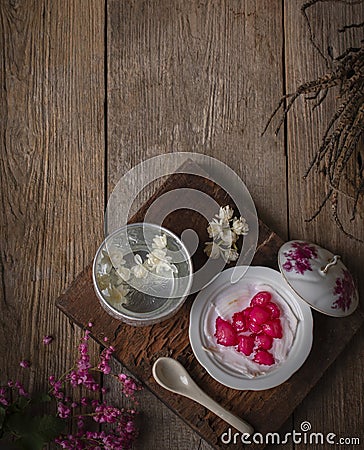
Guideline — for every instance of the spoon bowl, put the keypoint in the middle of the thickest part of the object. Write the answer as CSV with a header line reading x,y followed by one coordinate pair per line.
x,y
171,375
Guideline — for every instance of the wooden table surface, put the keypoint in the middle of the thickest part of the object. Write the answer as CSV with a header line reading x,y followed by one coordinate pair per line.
x,y
90,89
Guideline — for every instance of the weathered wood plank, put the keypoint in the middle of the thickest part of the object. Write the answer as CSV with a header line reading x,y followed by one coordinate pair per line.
x,y
145,344
197,76
265,410
52,157
193,76
336,405
158,425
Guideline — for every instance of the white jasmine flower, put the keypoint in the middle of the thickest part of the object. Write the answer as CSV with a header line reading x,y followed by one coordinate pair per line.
x,y
225,213
212,250
155,256
124,273
225,231
103,280
214,229
160,242
220,230
240,226
159,262
139,270
230,255
117,294
228,237
116,258
105,262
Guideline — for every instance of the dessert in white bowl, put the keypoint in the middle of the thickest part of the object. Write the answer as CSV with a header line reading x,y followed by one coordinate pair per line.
x,y
250,328
233,365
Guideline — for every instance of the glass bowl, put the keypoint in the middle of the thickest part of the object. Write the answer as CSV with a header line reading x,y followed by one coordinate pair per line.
x,y
142,274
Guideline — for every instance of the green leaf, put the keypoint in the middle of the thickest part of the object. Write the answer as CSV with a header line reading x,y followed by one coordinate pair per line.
x,y
21,403
30,442
2,416
19,424
49,427
34,432
41,398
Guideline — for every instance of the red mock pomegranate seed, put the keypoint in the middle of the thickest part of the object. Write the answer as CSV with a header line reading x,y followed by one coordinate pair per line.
x,y
264,341
259,315
260,298
275,312
239,321
264,357
260,324
273,328
246,344
225,333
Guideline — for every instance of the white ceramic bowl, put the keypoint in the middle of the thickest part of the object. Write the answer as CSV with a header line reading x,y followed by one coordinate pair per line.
x,y
225,373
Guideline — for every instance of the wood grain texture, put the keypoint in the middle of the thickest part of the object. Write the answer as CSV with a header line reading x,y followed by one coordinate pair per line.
x,y
52,157
265,410
170,338
336,405
192,76
159,426
181,76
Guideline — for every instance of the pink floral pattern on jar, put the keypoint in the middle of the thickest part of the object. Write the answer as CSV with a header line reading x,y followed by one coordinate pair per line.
x,y
298,258
345,289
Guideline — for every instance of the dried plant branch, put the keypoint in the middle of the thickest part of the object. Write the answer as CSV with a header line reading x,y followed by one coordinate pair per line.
x,y
339,144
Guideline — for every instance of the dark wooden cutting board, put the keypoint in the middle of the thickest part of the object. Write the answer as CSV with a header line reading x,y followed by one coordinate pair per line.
x,y
138,347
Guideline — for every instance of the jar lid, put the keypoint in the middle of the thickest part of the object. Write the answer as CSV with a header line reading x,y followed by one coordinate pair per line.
x,y
319,277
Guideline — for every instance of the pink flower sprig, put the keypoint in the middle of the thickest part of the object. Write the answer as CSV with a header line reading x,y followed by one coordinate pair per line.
x,y
105,356
121,430
120,438
81,374
16,386
129,386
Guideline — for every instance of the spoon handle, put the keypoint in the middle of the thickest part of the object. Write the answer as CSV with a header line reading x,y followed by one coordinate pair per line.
x,y
200,397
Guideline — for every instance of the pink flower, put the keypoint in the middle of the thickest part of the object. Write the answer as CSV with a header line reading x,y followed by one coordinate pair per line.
x,y
63,410
129,386
47,340
57,386
106,414
22,392
80,423
24,363
3,400
104,360
121,430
